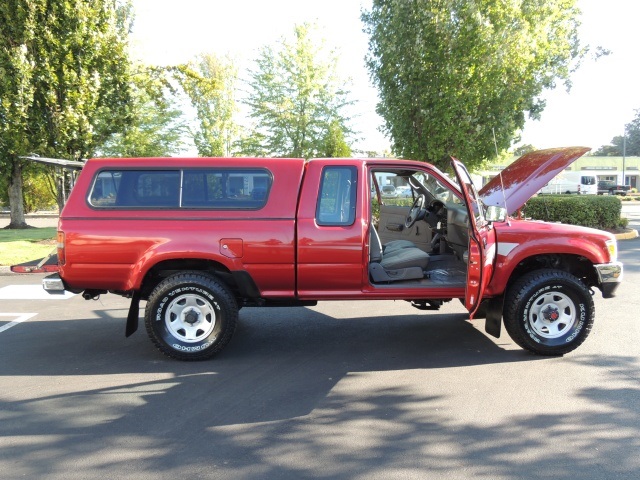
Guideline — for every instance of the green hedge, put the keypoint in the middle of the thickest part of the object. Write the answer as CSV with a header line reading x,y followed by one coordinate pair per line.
x,y
375,206
596,211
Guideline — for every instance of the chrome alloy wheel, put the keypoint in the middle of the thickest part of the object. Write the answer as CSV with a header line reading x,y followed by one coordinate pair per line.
x,y
552,315
190,318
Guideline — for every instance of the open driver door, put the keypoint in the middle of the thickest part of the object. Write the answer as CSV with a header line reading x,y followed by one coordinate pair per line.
x,y
482,241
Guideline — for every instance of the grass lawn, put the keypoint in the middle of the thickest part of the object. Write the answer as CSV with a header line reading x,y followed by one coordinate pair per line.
x,y
22,245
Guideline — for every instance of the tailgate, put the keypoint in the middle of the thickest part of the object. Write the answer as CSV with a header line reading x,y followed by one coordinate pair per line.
x,y
43,265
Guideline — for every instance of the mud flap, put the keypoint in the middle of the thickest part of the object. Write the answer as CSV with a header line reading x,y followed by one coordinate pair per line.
x,y
493,322
132,317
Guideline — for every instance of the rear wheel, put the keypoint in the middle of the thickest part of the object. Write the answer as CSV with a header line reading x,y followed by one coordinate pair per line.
x,y
190,316
549,312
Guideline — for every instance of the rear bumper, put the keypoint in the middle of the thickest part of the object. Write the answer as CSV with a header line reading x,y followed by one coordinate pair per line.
x,y
609,277
53,284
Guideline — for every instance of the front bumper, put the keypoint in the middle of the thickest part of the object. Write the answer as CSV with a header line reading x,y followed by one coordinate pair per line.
x,y
609,277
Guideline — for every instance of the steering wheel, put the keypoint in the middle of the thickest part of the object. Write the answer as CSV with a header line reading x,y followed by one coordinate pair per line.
x,y
417,211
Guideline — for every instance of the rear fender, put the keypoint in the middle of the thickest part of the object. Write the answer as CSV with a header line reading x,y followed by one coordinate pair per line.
x,y
178,260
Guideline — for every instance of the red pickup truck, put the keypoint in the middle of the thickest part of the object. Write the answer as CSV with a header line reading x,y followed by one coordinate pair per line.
x,y
200,238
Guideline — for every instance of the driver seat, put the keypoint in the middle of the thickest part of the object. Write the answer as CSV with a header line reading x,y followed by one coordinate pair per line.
x,y
394,245
399,260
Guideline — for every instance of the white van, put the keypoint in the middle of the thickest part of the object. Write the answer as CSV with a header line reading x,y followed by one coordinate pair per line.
x,y
572,182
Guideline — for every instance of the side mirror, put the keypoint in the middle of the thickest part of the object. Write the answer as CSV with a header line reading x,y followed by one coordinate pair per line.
x,y
496,214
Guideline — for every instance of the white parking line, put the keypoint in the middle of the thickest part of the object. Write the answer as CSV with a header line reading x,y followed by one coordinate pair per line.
x,y
21,317
30,292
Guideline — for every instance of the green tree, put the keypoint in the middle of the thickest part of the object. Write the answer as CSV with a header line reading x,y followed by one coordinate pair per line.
x,y
157,128
522,149
63,81
38,192
210,85
296,99
17,30
630,147
451,72
335,145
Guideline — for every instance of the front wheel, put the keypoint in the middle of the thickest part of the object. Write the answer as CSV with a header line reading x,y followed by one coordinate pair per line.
x,y
549,312
190,316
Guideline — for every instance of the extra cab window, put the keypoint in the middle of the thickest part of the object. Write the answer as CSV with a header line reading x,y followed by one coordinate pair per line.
x,y
216,189
337,197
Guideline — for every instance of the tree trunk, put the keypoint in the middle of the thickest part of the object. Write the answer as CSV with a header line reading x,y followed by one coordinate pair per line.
x,y
60,193
16,201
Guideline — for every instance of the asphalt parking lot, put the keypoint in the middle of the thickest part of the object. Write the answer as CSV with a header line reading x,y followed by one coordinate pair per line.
x,y
358,390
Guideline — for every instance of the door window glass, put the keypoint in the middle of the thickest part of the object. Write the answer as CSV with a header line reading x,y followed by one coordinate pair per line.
x,y
337,198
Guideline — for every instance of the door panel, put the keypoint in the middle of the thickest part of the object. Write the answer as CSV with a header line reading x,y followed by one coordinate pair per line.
x,y
330,233
482,241
391,227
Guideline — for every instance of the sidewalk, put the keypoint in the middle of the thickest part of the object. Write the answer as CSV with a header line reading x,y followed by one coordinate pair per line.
x,y
38,220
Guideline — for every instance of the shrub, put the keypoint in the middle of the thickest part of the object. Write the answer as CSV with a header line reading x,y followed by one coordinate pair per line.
x,y
375,206
596,211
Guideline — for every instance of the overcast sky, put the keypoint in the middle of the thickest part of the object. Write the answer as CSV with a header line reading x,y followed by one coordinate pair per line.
x,y
603,98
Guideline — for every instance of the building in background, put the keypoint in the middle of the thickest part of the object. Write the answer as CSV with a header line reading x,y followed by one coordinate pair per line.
x,y
623,171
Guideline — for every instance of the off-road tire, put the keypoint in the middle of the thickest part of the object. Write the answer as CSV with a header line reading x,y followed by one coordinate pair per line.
x,y
548,312
191,316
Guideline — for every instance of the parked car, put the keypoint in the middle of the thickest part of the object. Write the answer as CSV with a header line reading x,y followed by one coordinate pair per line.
x,y
610,187
388,191
571,182
404,191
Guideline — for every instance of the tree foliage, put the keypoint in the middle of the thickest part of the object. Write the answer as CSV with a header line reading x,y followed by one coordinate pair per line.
x,y
335,145
618,146
63,81
210,85
296,100
39,191
156,128
452,72
522,149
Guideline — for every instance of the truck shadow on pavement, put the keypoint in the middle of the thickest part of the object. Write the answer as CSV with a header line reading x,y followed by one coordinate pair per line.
x,y
293,384
280,363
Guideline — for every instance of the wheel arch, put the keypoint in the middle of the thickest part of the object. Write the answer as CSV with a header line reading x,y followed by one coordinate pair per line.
x,y
240,283
577,265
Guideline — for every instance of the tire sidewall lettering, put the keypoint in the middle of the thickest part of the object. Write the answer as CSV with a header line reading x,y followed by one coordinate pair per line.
x,y
192,348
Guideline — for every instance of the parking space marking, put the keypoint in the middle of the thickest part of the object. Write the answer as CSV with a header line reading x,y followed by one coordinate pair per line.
x,y
21,317
31,292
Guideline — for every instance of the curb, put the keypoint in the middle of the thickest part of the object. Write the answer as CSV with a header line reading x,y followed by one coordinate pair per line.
x,y
628,235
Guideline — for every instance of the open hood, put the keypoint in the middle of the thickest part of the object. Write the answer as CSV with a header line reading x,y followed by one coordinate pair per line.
x,y
527,175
